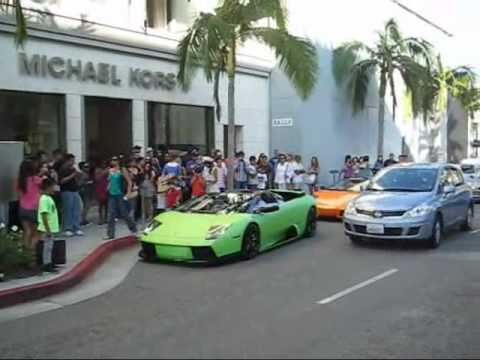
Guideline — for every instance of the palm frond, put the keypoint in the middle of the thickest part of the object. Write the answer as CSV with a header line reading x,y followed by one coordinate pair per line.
x,y
344,58
21,33
392,31
358,83
418,83
202,46
255,10
420,50
297,57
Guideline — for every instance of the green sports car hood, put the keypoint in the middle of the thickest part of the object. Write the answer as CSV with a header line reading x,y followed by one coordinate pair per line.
x,y
188,229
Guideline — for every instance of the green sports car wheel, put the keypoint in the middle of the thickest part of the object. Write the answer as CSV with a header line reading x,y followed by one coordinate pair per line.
x,y
251,242
311,226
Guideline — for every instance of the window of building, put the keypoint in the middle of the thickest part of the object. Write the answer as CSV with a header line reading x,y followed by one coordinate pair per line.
x,y
158,13
108,126
36,119
180,127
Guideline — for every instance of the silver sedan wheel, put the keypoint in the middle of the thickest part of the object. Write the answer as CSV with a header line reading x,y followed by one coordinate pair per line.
x,y
437,233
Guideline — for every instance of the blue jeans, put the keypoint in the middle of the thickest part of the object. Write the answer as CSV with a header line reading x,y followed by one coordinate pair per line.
x,y
118,209
72,210
241,185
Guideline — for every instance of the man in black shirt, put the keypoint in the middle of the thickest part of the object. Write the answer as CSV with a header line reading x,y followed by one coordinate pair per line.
x,y
390,161
71,201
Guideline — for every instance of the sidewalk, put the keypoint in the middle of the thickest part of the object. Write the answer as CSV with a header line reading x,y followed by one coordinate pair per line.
x,y
84,254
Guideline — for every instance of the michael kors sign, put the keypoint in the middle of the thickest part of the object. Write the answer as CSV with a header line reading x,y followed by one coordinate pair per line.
x,y
101,73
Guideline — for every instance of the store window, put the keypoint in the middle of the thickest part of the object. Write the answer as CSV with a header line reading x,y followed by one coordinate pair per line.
x,y
36,119
108,125
180,127
158,13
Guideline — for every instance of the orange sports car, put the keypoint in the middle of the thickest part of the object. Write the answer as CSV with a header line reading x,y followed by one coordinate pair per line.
x,y
332,200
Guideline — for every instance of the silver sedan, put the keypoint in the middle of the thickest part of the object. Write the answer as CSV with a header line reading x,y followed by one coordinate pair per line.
x,y
411,201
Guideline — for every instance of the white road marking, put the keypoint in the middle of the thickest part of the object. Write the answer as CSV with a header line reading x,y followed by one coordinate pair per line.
x,y
475,231
357,287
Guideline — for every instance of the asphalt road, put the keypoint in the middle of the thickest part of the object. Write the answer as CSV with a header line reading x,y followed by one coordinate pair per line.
x,y
269,307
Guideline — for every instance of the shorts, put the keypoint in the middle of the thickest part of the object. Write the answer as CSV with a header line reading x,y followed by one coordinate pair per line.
x,y
27,215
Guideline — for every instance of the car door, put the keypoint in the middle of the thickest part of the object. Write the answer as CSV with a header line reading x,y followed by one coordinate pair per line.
x,y
270,226
447,200
462,195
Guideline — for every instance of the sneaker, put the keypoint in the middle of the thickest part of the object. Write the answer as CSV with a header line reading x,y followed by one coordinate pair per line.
x,y
50,268
68,233
79,233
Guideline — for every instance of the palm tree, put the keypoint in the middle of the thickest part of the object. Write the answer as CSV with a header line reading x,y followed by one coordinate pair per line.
x,y
356,64
15,6
458,82
212,42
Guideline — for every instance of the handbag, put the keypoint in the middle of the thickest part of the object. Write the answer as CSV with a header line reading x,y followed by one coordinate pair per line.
x,y
59,253
311,179
132,195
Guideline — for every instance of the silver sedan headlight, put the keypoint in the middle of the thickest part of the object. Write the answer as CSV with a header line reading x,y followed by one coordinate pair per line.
x,y
350,209
420,211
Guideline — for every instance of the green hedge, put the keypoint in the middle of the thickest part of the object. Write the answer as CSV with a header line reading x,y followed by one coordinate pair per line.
x,y
14,256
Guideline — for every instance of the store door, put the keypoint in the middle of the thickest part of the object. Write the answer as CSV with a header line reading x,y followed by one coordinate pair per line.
x,y
108,127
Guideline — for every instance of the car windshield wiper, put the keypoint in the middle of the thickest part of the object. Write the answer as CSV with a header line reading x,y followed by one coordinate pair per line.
x,y
406,190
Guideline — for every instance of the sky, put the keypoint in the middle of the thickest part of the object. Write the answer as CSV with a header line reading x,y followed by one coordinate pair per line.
x,y
330,22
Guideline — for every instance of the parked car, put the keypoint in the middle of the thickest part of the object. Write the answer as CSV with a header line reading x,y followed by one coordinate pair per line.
x,y
332,200
217,226
471,172
411,201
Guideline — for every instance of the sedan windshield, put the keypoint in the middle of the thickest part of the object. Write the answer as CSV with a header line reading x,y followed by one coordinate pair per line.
x,y
405,179
468,169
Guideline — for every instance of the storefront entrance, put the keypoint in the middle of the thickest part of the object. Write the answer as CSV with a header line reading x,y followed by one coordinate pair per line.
x,y
180,127
108,128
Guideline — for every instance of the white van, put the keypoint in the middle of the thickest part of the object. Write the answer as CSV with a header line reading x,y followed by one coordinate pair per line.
x,y
471,172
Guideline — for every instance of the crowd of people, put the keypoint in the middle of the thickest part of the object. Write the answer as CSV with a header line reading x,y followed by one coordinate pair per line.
x,y
138,186
360,167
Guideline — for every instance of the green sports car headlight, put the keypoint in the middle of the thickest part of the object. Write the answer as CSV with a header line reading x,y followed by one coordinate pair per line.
x,y
152,226
217,231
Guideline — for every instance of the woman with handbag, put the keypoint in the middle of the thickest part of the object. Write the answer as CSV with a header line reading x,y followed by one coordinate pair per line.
x,y
312,174
132,192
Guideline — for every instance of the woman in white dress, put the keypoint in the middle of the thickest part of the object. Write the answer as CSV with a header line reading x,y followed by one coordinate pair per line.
x,y
298,178
210,173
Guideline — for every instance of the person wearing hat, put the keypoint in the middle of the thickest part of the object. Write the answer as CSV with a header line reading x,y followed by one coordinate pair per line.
x,y
136,151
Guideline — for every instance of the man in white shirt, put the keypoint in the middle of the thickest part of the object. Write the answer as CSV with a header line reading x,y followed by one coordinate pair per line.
x,y
281,174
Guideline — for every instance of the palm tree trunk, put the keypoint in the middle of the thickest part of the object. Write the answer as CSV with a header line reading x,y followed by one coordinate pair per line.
x,y
231,118
381,114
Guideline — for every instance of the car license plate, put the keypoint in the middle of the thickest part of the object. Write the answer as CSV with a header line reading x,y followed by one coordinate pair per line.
x,y
375,229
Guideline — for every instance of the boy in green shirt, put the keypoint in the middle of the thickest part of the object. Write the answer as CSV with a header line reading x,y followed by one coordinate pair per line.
x,y
48,223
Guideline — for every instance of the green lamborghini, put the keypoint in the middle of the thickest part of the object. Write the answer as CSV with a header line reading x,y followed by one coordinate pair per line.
x,y
218,226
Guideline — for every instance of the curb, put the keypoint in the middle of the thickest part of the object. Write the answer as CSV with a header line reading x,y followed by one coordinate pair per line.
x,y
73,277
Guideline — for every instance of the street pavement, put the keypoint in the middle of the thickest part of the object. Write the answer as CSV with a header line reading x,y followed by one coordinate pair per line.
x,y
425,304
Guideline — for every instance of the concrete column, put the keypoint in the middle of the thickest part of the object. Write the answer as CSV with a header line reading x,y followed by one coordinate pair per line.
x,y
75,123
139,123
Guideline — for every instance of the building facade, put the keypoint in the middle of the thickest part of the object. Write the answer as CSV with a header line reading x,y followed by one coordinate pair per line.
x,y
325,126
96,84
